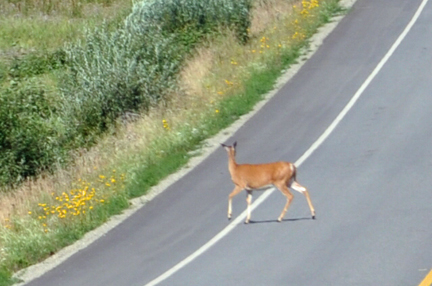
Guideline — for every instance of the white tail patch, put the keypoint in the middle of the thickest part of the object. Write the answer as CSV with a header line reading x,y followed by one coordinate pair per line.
x,y
299,188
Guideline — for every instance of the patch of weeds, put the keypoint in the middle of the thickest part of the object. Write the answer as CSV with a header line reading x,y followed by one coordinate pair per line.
x,y
36,64
6,278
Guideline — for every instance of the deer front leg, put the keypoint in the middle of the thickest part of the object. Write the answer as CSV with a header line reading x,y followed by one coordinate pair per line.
x,y
248,201
289,197
235,192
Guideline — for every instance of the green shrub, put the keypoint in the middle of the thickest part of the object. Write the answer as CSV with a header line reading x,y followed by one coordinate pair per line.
x,y
3,72
112,72
174,16
135,66
5,277
109,75
29,140
36,64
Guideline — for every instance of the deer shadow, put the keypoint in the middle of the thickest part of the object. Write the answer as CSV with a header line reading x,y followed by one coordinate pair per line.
x,y
276,221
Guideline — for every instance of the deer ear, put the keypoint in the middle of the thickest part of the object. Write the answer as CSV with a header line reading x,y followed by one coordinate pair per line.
x,y
226,147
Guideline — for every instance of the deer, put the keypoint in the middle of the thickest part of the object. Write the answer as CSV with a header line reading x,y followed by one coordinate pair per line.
x,y
250,177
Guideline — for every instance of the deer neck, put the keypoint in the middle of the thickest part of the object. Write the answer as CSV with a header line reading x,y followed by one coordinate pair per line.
x,y
232,164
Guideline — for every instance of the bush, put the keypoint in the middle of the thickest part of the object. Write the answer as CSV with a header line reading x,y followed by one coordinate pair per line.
x,y
110,73
135,66
36,64
173,16
29,141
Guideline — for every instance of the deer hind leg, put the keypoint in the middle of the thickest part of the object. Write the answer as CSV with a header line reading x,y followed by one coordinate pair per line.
x,y
299,188
235,192
284,190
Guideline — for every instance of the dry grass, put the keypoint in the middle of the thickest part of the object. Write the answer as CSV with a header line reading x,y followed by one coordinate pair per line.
x,y
195,71
213,71
53,7
270,11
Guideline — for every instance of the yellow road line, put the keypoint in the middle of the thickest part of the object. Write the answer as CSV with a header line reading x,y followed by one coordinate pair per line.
x,y
428,280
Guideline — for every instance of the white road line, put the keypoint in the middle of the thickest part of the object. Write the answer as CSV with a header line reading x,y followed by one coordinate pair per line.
x,y
306,155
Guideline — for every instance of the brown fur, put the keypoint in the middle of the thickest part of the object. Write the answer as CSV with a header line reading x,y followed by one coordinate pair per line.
x,y
251,177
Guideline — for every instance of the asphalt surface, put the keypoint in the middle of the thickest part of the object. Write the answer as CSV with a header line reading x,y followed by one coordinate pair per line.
x,y
369,181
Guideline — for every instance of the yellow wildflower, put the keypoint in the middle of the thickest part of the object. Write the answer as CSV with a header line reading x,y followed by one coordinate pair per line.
x,y
165,124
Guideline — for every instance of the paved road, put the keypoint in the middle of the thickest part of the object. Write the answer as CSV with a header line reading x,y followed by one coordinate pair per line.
x,y
369,181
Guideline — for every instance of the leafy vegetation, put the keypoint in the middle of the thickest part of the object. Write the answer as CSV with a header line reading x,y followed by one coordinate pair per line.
x,y
111,72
